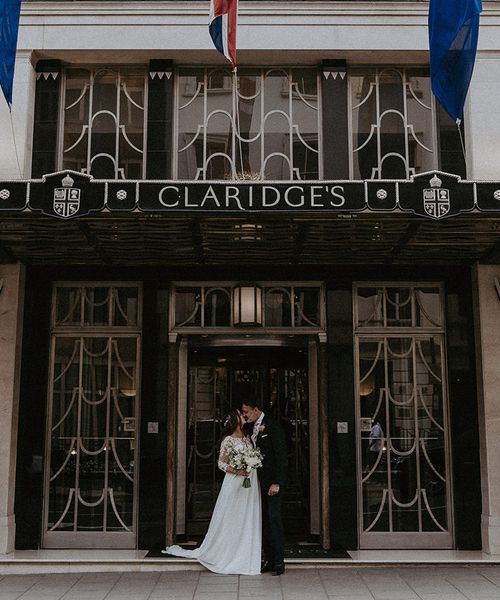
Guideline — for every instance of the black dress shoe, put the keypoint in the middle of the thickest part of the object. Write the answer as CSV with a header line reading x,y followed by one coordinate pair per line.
x,y
266,567
280,569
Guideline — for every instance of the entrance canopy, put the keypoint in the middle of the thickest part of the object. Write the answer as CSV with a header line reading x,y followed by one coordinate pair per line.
x,y
68,218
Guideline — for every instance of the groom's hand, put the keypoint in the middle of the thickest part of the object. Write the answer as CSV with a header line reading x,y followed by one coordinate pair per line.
x,y
273,490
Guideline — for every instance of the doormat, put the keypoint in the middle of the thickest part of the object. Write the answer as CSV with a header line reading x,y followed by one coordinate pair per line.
x,y
310,551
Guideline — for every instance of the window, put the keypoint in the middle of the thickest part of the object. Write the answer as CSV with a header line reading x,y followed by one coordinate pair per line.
x,y
263,124
393,123
103,122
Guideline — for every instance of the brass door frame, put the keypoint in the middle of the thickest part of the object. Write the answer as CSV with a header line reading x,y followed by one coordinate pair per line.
x,y
176,426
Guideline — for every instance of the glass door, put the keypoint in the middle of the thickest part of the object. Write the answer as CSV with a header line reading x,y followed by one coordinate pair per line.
x,y
403,466
220,379
90,478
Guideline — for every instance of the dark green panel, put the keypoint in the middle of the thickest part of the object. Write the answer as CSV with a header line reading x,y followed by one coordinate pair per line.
x,y
343,496
153,449
32,412
44,159
335,119
463,413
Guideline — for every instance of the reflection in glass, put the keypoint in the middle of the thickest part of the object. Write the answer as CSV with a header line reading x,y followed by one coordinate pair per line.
x,y
402,434
402,306
262,125
393,123
96,306
92,434
104,109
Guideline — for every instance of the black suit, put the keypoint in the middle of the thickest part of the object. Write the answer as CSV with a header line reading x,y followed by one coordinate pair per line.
x,y
272,444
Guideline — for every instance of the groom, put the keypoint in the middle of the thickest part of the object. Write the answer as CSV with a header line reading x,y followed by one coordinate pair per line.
x,y
268,436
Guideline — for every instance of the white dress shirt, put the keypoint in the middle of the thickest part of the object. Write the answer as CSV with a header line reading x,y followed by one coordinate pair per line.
x,y
256,426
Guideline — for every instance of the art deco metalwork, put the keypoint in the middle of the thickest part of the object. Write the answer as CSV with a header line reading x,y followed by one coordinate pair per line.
x,y
102,122
262,124
393,130
402,409
93,402
298,307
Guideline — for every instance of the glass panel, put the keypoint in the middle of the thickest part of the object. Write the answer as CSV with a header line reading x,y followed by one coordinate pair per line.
x,y
208,404
307,307
421,116
131,124
431,426
402,434
76,119
388,306
187,307
277,307
69,306
399,306
428,307
370,304
104,108
93,390
264,125
392,123
125,308
97,304
102,306
217,308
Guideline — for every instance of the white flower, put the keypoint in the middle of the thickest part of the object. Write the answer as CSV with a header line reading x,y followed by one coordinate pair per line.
x,y
248,459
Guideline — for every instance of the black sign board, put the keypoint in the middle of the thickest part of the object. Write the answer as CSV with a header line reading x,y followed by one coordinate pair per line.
x,y
68,195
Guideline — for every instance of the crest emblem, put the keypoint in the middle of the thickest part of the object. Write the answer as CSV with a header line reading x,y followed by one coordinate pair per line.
x,y
66,199
436,199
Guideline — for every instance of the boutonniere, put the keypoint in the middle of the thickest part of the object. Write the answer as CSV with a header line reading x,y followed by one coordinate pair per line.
x,y
262,428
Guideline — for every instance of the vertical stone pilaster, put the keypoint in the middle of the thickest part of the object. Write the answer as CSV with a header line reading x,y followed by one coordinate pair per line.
x,y
487,322
482,133
11,317
16,128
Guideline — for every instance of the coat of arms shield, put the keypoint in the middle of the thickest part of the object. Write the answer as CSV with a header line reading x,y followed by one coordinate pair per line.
x,y
436,202
66,201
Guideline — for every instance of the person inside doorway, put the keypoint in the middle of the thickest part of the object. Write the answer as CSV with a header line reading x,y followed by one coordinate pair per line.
x,y
375,444
267,435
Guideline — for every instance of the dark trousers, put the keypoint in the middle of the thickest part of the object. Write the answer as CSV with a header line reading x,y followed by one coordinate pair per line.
x,y
273,539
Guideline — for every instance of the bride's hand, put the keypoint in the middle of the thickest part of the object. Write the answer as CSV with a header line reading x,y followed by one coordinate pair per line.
x,y
243,473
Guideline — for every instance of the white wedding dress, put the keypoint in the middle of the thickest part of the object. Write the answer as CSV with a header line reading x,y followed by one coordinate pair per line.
x,y
232,545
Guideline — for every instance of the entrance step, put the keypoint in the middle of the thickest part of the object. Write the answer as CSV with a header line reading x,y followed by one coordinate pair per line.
x,y
78,561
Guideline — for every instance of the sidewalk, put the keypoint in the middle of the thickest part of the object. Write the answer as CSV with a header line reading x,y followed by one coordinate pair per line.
x,y
335,583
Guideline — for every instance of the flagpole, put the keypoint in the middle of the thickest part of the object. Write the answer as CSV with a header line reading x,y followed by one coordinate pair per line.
x,y
458,122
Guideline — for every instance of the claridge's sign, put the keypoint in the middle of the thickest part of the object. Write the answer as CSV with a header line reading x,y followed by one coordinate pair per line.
x,y
69,194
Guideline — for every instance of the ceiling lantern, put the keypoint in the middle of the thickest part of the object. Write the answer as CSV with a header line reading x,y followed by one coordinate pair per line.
x,y
247,305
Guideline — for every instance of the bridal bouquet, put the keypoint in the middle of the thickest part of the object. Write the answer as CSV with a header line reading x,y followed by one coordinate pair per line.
x,y
248,459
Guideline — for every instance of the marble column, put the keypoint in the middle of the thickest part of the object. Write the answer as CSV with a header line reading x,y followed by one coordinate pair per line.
x,y
11,321
487,325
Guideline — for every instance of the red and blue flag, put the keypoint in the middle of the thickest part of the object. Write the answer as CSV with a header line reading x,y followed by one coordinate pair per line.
x,y
222,27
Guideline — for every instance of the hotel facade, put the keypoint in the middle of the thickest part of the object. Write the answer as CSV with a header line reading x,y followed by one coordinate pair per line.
x,y
176,239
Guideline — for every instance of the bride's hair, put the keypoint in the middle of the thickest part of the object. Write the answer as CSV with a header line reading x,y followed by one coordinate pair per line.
x,y
230,423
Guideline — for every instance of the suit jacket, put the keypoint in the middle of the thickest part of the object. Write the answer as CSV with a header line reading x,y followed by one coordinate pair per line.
x,y
271,442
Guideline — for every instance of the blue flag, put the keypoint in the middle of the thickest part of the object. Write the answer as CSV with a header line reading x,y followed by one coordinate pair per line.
x,y
453,34
9,25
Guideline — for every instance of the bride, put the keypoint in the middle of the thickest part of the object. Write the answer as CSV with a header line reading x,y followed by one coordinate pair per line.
x,y
233,541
